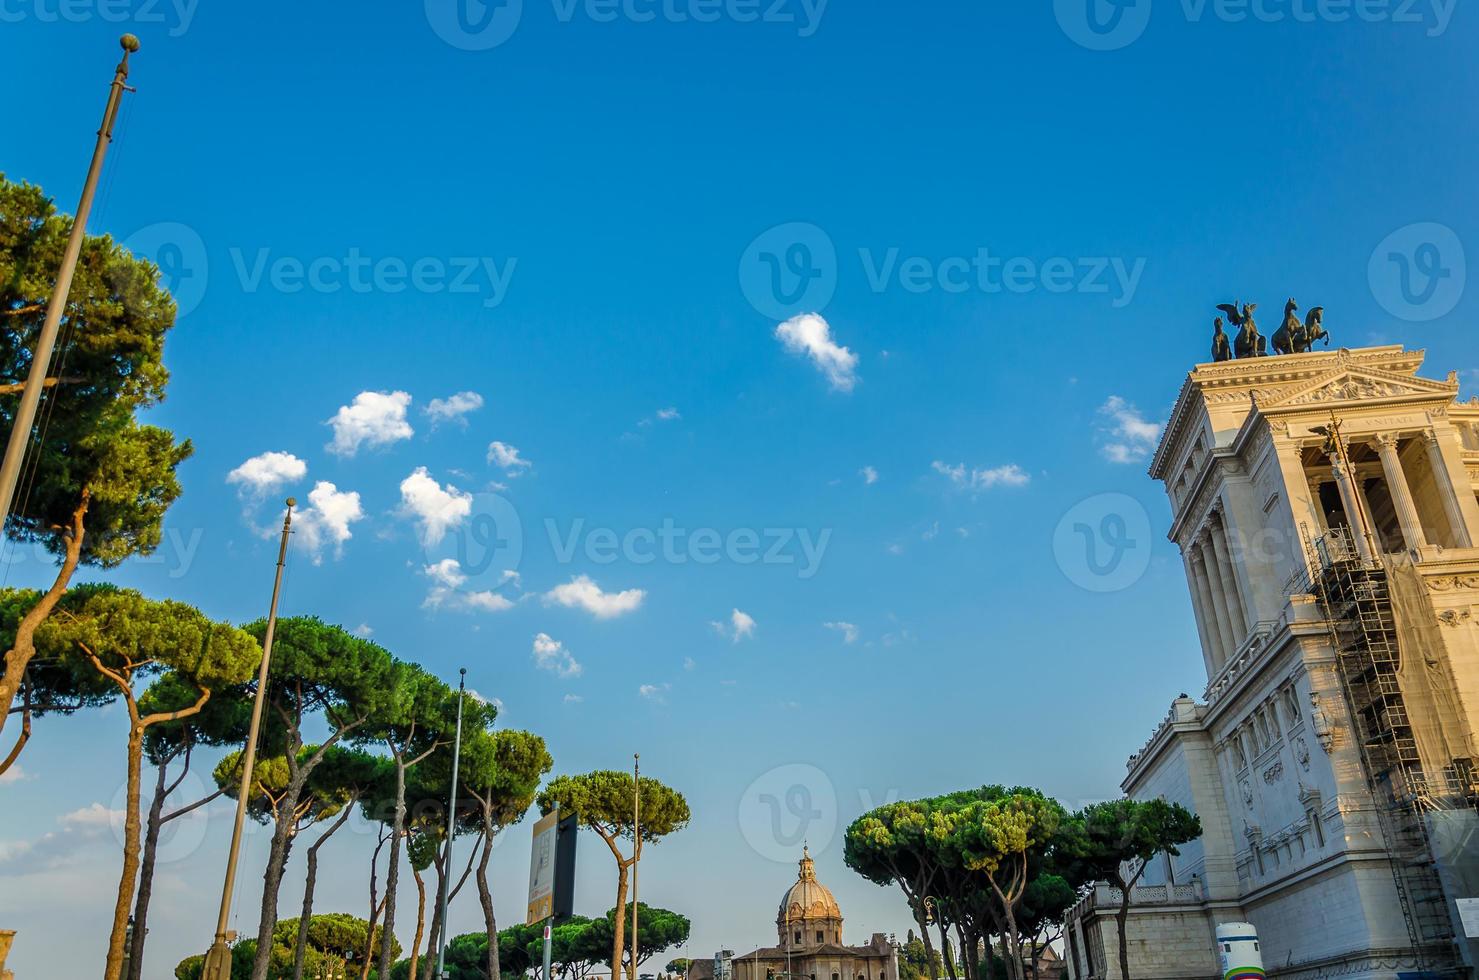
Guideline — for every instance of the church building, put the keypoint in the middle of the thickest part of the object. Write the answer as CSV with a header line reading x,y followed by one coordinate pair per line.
x,y
810,947
1324,505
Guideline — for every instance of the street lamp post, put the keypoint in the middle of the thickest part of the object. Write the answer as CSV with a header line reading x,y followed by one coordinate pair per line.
x,y
25,413
218,960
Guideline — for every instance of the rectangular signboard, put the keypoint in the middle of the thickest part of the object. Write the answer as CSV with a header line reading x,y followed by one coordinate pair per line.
x,y
542,869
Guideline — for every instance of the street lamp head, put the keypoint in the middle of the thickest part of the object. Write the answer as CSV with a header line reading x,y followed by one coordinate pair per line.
x,y
129,43
462,671
292,502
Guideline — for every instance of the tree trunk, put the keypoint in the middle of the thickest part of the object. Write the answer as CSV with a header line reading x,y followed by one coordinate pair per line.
x,y
945,946
23,648
485,896
116,942
146,876
618,941
921,920
420,920
375,907
1121,922
277,859
300,947
392,874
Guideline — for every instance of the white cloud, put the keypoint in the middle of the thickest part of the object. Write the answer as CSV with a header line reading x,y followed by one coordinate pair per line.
x,y
15,774
811,335
848,630
454,408
62,848
931,532
582,593
374,418
92,816
1128,437
551,655
655,692
364,630
507,457
263,474
741,626
976,480
573,699
326,519
688,663
446,592
668,415
869,475
436,509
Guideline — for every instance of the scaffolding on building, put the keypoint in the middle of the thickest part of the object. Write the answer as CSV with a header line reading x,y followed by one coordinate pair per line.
x,y
1354,591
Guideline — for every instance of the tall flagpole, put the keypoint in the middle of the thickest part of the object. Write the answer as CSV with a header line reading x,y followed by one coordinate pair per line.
x,y
451,830
25,413
636,853
218,959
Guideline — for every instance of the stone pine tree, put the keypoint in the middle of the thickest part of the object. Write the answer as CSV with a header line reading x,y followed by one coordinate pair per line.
x,y
222,721
603,801
127,638
1116,841
420,720
347,775
97,483
501,772
324,676
51,685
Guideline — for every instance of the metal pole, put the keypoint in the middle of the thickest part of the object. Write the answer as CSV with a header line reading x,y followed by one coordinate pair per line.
x,y
451,829
636,852
548,942
218,959
25,414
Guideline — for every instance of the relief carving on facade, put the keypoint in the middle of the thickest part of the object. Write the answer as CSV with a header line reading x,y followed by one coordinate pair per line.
x,y
1273,773
1453,617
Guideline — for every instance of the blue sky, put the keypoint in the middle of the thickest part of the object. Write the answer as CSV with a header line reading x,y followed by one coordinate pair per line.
x,y
611,196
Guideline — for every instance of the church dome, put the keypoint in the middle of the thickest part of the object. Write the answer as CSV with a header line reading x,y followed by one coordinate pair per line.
x,y
808,898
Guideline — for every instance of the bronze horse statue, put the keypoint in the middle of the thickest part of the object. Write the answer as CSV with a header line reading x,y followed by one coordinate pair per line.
x,y
1298,338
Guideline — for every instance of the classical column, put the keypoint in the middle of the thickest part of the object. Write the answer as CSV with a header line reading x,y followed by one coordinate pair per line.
x,y
1391,465
1201,601
1447,491
1315,505
1353,509
1220,550
1219,590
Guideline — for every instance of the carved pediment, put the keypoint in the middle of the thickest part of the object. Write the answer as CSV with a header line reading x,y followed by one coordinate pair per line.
x,y
1365,384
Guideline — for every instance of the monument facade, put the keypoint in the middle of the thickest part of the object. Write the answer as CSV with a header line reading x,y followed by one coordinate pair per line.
x,y
1324,504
